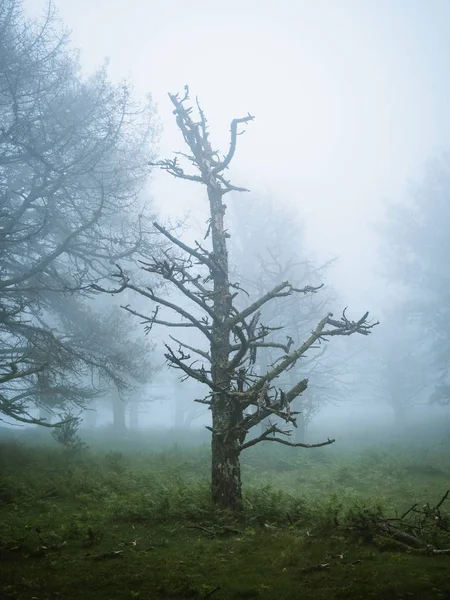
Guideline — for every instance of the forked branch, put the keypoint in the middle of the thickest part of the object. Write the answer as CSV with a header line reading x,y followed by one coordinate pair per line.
x,y
221,166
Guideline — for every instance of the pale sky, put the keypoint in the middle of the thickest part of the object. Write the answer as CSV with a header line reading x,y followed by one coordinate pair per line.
x,y
351,98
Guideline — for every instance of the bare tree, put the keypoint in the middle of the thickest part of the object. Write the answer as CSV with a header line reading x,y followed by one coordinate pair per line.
x,y
233,336
116,356
397,370
416,251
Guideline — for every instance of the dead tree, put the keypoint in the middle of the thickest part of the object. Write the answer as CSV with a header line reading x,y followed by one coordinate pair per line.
x,y
239,397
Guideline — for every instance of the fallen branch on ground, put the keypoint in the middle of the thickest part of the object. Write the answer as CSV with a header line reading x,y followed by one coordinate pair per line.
x,y
417,529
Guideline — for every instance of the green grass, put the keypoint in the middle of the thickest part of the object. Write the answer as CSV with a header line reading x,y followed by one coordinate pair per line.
x,y
131,518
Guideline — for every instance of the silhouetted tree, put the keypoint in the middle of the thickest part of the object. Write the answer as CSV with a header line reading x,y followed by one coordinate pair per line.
x,y
416,256
395,370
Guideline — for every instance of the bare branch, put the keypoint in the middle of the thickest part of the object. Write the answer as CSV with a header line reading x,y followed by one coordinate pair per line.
x,y
171,166
40,265
153,320
16,374
264,437
340,328
241,352
221,166
296,391
203,327
198,374
148,293
281,290
201,353
200,257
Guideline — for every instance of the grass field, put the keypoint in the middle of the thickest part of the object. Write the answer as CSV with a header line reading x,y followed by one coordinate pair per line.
x,y
131,518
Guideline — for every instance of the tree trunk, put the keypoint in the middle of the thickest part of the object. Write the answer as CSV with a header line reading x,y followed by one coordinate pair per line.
x,y
226,473
118,405
226,485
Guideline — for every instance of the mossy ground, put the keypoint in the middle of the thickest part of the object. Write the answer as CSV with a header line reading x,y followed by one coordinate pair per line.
x,y
134,521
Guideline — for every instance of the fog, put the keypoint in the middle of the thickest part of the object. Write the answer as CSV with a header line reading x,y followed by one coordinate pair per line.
x,y
350,100
351,104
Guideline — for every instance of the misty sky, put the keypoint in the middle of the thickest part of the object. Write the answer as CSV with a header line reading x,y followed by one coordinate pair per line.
x,y
351,98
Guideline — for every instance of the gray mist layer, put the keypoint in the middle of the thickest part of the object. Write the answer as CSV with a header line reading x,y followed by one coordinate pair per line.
x,y
351,103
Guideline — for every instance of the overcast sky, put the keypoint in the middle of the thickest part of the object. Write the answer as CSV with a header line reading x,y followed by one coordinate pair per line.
x,y
351,98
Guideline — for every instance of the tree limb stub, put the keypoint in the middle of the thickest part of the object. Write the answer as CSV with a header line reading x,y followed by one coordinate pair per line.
x,y
221,166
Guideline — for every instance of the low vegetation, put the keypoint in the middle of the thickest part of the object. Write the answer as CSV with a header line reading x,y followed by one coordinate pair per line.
x,y
128,518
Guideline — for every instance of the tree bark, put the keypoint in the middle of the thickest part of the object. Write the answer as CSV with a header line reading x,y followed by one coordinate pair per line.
x,y
226,488
226,473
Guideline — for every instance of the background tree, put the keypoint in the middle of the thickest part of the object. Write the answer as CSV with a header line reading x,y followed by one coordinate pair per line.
x,y
186,412
416,255
395,369
115,357
260,258
73,162
233,336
